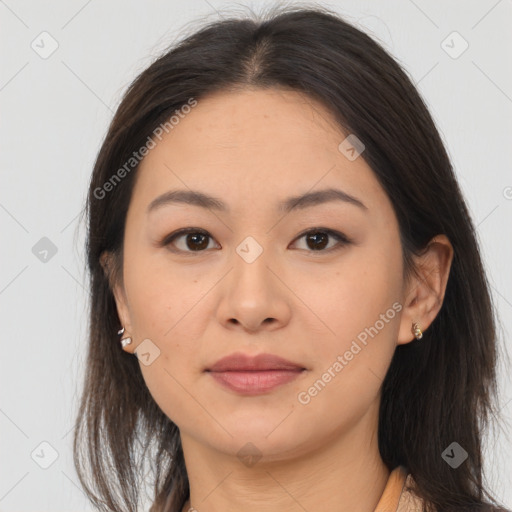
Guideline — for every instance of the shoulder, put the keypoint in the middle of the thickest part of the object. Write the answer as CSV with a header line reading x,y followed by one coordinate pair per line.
x,y
409,501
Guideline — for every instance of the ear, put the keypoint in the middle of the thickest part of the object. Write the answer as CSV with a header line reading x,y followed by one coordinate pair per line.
x,y
117,288
424,294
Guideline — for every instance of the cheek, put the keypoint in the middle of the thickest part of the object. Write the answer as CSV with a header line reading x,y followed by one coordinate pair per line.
x,y
359,306
159,294
161,308
352,295
167,307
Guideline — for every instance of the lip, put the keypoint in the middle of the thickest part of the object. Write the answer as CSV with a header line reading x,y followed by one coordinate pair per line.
x,y
253,375
255,382
241,362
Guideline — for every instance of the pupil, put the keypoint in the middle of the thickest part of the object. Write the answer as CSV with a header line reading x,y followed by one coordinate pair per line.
x,y
315,238
195,237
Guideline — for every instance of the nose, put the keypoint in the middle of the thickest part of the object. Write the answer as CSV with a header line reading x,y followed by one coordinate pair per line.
x,y
254,298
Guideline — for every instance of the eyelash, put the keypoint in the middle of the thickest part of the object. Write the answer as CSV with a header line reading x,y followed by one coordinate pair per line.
x,y
342,239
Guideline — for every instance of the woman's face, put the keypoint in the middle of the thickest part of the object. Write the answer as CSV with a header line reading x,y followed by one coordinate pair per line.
x,y
251,280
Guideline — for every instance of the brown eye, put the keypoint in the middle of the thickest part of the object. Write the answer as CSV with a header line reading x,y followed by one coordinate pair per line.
x,y
196,241
318,239
190,240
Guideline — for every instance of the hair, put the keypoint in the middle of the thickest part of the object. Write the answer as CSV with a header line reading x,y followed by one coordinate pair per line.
x,y
436,391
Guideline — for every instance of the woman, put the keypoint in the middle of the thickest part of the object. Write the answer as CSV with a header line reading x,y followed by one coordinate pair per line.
x,y
277,236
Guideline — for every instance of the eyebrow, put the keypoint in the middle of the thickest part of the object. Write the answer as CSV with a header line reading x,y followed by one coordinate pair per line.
x,y
307,200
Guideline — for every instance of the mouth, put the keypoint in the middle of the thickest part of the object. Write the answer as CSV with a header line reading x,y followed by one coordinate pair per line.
x,y
239,362
255,382
253,375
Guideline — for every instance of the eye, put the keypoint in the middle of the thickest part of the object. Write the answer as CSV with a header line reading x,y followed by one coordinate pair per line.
x,y
317,239
197,240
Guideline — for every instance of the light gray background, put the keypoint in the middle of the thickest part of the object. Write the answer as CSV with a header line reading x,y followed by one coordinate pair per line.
x,y
55,112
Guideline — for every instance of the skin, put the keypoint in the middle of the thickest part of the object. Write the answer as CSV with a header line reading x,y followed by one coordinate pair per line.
x,y
252,149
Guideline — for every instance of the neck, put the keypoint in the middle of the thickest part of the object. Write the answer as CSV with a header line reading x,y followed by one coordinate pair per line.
x,y
343,474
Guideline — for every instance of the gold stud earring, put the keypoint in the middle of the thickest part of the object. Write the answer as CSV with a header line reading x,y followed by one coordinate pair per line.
x,y
417,331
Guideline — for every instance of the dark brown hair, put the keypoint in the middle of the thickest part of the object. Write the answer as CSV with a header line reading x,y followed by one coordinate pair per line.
x,y
438,390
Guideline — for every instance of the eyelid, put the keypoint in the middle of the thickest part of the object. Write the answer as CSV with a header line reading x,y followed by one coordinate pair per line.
x,y
342,239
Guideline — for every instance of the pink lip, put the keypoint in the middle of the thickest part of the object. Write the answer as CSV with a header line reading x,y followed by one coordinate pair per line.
x,y
241,362
254,375
254,382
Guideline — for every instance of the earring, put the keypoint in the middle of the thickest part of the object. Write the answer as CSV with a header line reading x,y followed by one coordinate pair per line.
x,y
417,331
124,341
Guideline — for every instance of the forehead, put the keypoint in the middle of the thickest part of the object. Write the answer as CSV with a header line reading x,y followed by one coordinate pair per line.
x,y
252,144
259,115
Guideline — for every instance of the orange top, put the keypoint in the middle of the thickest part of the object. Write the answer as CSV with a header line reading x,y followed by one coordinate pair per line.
x,y
396,496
